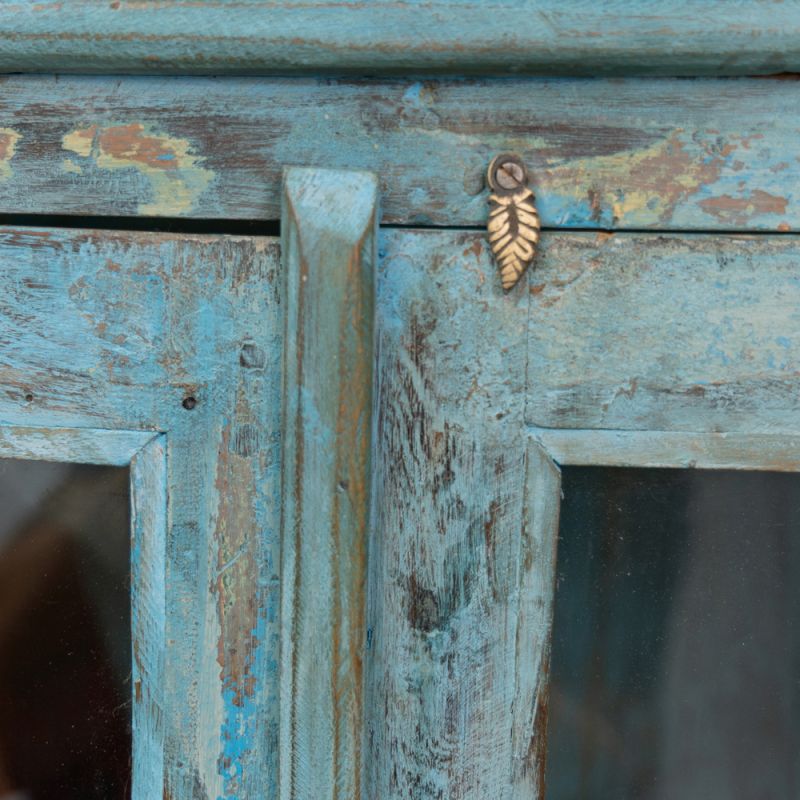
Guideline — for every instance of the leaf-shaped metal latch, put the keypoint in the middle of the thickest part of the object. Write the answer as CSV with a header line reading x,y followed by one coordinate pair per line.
x,y
513,220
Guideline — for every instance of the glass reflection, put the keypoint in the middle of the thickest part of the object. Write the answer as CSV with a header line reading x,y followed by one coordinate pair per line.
x,y
676,652
64,632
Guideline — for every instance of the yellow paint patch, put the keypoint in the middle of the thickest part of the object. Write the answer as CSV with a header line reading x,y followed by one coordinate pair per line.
x,y
80,141
8,146
176,176
656,179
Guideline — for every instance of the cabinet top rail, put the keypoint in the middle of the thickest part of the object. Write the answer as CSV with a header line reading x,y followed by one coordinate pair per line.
x,y
489,37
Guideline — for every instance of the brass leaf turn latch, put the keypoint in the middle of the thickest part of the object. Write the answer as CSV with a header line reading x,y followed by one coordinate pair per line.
x,y
513,220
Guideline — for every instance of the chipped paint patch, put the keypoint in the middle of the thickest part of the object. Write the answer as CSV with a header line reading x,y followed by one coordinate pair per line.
x,y
649,186
8,146
176,175
739,210
658,177
80,141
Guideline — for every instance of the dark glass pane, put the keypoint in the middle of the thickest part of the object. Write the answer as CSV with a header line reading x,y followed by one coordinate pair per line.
x,y
65,649
676,650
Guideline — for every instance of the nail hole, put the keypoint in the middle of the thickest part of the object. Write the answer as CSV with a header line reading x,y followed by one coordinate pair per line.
x,y
29,398
189,403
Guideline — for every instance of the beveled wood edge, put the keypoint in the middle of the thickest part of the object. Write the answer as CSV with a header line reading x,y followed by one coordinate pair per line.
x,y
116,448
536,567
149,528
329,234
767,452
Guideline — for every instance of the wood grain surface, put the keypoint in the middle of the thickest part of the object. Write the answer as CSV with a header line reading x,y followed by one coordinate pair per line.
x,y
455,680
622,154
679,37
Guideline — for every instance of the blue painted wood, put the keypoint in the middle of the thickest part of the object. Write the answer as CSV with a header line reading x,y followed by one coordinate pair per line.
x,y
679,37
450,529
772,452
329,255
461,572
114,331
635,154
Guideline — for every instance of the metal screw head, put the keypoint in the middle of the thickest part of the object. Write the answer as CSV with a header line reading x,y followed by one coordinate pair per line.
x,y
507,173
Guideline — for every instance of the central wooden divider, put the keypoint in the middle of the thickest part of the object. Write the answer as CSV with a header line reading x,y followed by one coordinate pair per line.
x,y
329,251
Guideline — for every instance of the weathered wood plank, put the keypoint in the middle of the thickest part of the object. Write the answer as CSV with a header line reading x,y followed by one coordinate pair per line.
x,y
263,36
635,154
120,330
692,333
648,449
446,609
329,255
79,446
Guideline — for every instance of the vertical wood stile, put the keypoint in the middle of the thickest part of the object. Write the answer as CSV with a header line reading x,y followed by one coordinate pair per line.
x,y
329,240
461,567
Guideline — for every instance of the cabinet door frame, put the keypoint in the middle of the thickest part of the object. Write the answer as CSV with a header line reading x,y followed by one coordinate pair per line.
x,y
467,484
163,353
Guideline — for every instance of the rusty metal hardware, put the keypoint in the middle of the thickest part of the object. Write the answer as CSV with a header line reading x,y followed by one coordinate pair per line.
x,y
513,220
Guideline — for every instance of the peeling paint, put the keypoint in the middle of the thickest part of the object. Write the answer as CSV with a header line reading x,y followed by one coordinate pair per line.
x,y
176,175
658,179
739,210
8,146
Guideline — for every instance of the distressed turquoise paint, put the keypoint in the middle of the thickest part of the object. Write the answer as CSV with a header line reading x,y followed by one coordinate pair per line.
x,y
774,452
453,713
111,331
151,702
621,154
506,36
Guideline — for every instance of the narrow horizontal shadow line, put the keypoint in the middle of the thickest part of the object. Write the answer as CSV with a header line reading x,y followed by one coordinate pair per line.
x,y
257,227
232,227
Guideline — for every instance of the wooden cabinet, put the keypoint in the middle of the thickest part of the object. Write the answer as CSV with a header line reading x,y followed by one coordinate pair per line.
x,y
271,293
